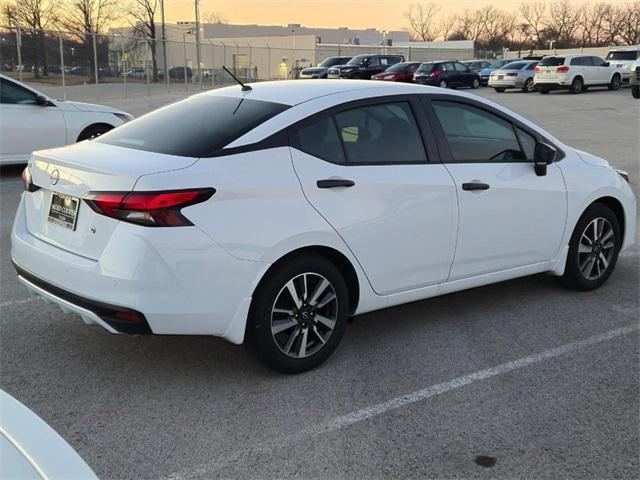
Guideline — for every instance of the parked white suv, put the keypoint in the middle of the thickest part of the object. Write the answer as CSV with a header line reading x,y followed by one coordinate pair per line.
x,y
576,73
626,59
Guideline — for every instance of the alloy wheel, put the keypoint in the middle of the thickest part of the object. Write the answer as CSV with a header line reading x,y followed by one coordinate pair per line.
x,y
304,315
528,85
596,248
443,84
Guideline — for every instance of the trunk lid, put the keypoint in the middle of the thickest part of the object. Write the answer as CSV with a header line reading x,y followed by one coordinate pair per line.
x,y
71,172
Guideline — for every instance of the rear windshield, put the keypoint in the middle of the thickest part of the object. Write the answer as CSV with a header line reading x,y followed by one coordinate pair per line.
x,y
552,61
623,55
196,127
425,68
514,66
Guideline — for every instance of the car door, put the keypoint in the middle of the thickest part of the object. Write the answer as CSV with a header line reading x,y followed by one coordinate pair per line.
x,y
449,73
509,216
587,69
463,74
602,70
371,169
26,125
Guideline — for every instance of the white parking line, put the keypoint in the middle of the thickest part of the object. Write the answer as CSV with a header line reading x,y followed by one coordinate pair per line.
x,y
405,400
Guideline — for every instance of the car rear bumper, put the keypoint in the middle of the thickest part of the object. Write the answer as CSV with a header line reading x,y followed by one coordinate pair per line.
x,y
432,82
505,83
183,284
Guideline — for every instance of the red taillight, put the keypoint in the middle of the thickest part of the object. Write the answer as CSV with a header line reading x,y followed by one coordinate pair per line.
x,y
27,181
435,73
152,209
563,69
537,70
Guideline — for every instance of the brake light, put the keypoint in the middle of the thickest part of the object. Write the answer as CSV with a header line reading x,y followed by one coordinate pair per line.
x,y
435,73
27,181
563,69
151,209
537,70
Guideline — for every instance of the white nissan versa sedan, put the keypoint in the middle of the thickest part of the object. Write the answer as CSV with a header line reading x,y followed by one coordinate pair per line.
x,y
272,213
32,121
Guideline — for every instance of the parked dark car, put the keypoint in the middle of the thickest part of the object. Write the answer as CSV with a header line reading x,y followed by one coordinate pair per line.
x,y
364,66
80,71
177,73
321,70
476,65
634,81
446,75
400,72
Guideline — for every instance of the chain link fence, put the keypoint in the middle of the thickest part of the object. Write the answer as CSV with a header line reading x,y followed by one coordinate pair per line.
x,y
91,67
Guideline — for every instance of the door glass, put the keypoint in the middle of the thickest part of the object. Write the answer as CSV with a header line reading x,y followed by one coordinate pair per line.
x,y
475,135
459,67
321,140
12,93
385,133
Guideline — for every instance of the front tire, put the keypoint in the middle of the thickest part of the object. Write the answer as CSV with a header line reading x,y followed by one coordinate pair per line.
x,y
635,91
299,314
499,89
528,86
94,131
593,248
475,84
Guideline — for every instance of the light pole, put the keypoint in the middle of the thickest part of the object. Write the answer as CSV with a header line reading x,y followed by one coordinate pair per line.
x,y
197,6
551,42
164,43
19,40
293,53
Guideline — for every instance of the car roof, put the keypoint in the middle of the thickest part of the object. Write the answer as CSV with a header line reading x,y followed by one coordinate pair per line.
x,y
625,48
294,92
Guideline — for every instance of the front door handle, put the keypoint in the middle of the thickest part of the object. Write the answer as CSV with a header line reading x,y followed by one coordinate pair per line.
x,y
335,182
470,186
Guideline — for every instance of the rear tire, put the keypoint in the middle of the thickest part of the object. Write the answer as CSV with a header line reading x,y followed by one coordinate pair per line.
x,y
635,91
443,84
543,90
499,89
475,84
278,325
615,82
593,248
577,85
528,86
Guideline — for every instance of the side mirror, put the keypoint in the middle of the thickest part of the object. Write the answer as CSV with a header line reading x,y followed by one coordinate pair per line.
x,y
543,155
42,101
607,64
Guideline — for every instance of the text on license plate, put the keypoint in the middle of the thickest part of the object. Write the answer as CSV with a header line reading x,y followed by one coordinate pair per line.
x,y
63,210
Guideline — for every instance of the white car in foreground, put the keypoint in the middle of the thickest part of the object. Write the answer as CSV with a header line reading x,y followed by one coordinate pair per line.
x,y
31,449
33,121
272,214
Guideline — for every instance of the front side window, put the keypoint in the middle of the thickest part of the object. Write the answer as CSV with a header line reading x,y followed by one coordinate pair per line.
x,y
598,62
475,135
199,126
385,133
528,143
359,60
13,94
460,67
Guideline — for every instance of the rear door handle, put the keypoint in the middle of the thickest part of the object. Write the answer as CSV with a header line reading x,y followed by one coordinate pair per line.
x,y
469,186
335,182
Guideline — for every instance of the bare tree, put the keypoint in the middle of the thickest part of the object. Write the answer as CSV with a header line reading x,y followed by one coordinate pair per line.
x,y
498,27
34,16
215,17
563,21
627,18
447,26
87,18
422,20
533,16
142,14
470,26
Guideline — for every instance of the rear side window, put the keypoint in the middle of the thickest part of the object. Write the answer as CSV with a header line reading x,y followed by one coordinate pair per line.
x,y
385,133
373,134
426,68
582,61
475,135
196,127
460,67
321,140
552,61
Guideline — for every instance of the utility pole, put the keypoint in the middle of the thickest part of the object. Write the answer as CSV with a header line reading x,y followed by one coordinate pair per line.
x,y
19,40
199,70
164,44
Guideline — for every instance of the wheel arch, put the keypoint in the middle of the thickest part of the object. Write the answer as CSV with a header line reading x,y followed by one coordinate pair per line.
x,y
92,126
334,256
615,205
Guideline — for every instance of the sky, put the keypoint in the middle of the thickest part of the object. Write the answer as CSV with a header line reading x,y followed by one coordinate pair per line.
x,y
381,14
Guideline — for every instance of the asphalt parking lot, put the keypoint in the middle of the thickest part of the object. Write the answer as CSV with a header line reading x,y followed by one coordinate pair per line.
x,y
542,379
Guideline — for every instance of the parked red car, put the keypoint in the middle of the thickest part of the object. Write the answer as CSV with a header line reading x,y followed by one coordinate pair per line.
x,y
400,72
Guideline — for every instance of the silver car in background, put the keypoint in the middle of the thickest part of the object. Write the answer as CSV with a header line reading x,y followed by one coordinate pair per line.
x,y
626,58
514,75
